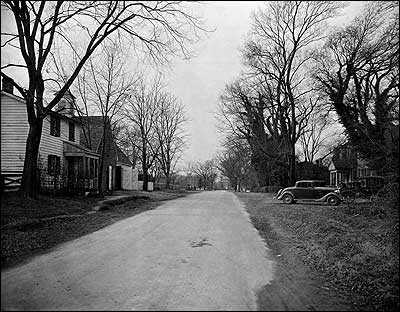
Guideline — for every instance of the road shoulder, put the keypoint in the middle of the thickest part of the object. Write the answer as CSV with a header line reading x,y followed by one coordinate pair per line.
x,y
295,286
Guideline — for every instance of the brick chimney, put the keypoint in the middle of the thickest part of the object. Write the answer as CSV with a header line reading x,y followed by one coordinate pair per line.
x,y
8,85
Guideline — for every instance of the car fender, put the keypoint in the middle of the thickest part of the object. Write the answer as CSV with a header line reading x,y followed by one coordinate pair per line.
x,y
278,193
284,193
325,197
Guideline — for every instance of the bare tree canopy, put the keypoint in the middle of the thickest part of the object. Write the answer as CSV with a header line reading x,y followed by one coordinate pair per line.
x,y
170,133
104,85
277,55
234,162
142,115
161,28
206,172
358,71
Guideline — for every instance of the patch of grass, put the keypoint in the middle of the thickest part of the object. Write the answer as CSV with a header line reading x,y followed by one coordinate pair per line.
x,y
15,209
355,247
24,233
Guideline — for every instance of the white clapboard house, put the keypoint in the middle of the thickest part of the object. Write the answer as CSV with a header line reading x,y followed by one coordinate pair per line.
x,y
63,162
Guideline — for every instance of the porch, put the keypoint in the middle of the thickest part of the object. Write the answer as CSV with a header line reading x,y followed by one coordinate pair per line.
x,y
81,168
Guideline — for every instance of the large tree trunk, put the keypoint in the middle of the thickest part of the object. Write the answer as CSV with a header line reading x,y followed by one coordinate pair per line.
x,y
30,183
102,188
145,179
292,164
144,167
167,181
100,180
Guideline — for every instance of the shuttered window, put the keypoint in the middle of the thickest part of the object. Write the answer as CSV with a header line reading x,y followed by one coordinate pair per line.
x,y
72,131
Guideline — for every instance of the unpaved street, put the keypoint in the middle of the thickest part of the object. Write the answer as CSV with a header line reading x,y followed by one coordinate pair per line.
x,y
200,252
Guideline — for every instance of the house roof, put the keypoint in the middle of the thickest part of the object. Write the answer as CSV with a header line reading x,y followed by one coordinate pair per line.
x,y
122,158
22,100
345,161
13,96
72,149
95,125
68,92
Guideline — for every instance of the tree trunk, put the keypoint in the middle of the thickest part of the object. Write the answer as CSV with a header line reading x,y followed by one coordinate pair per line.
x,y
167,181
292,168
145,179
101,173
102,189
144,166
30,183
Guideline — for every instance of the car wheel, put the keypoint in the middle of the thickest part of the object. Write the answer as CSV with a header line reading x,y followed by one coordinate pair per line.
x,y
373,198
333,201
287,199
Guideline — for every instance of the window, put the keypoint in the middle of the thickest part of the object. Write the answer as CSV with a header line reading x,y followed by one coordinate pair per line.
x,y
304,184
333,178
71,131
53,164
55,126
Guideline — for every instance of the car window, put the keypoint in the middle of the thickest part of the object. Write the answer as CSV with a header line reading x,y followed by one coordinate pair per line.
x,y
319,184
304,184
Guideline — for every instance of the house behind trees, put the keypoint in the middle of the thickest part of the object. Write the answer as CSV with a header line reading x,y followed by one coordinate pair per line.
x,y
118,171
347,165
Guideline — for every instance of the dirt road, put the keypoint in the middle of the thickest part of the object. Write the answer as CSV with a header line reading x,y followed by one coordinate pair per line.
x,y
200,252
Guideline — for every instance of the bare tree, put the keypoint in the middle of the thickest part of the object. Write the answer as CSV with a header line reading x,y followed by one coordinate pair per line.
x,y
243,110
142,113
277,56
106,85
318,134
234,162
206,172
358,71
170,133
161,28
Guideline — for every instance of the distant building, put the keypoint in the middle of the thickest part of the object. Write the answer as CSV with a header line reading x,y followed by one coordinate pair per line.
x,y
223,183
347,166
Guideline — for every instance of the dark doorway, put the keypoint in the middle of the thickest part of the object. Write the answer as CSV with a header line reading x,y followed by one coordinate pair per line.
x,y
118,178
71,172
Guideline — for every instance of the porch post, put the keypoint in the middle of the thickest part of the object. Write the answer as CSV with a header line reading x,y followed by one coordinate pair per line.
x,y
84,172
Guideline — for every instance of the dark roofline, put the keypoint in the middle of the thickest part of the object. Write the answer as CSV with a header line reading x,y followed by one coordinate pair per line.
x,y
19,98
12,95
126,157
64,116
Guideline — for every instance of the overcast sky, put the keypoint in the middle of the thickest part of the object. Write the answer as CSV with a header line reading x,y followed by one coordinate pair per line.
x,y
198,82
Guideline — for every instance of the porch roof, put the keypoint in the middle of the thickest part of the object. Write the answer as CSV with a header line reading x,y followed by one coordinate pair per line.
x,y
71,149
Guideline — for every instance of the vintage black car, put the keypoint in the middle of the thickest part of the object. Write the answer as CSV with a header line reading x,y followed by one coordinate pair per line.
x,y
310,190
